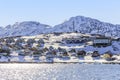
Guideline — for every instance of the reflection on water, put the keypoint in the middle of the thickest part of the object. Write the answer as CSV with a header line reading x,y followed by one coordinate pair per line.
x,y
59,72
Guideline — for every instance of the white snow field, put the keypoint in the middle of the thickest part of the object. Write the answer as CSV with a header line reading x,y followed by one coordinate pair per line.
x,y
59,72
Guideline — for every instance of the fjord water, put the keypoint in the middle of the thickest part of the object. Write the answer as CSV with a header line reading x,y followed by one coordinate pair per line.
x,y
59,72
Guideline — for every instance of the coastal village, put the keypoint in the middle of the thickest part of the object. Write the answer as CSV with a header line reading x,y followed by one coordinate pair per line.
x,y
60,47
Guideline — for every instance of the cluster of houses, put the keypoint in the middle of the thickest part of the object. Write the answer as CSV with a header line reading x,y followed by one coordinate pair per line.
x,y
12,47
29,49
97,40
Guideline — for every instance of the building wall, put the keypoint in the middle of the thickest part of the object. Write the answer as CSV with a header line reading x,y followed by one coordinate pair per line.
x,y
101,41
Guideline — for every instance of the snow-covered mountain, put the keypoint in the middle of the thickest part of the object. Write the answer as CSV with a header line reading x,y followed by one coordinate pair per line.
x,y
75,24
24,28
88,25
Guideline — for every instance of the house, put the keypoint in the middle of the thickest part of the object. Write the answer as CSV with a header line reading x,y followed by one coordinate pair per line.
x,y
74,40
2,40
102,41
81,53
118,39
14,59
28,59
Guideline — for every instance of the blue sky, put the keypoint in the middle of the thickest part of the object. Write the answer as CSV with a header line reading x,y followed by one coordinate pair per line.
x,y
54,12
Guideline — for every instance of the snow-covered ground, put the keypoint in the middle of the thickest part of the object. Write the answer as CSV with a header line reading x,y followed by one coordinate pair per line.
x,y
23,49
59,72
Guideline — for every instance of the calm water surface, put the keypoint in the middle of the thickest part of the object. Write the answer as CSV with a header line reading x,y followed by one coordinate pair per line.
x,y
59,72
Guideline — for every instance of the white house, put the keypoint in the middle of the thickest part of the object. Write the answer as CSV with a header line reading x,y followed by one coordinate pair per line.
x,y
102,41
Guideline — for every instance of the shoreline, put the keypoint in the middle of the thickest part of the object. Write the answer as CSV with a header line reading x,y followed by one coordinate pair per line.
x,y
83,62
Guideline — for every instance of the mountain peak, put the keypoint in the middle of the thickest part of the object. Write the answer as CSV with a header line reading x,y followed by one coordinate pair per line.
x,y
88,25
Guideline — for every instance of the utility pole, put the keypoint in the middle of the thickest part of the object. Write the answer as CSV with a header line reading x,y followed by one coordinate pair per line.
x,y
73,26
